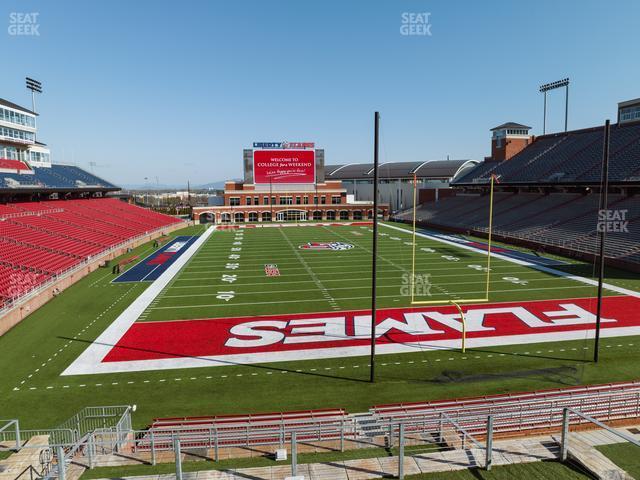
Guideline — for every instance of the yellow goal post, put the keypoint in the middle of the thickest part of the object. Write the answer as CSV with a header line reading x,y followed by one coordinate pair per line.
x,y
486,288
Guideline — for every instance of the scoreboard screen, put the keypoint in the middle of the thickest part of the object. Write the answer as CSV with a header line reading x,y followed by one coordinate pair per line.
x,y
284,166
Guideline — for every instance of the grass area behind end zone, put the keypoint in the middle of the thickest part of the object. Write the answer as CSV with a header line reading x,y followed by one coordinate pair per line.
x,y
526,471
522,471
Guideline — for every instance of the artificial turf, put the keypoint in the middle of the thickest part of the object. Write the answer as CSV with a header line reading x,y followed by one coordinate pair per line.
x,y
625,455
34,353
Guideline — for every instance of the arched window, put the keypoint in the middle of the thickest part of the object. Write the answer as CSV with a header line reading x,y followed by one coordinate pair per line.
x,y
207,217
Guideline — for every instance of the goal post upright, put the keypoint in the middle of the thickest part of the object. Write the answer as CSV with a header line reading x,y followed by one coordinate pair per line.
x,y
464,325
490,234
484,299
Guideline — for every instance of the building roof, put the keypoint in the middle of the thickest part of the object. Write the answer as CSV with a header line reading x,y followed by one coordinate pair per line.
x,y
7,103
58,177
436,169
628,103
510,125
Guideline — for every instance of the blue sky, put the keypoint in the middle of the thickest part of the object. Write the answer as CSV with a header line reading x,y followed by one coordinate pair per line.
x,y
176,90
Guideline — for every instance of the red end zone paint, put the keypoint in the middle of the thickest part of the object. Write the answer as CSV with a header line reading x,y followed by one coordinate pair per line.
x,y
299,332
160,259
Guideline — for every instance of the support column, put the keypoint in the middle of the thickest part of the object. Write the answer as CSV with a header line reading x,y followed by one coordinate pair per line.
x,y
176,449
294,455
401,454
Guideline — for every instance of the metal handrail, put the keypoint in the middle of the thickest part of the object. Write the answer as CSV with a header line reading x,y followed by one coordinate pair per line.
x,y
566,421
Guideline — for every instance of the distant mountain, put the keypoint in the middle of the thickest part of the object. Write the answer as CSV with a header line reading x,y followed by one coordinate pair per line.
x,y
153,186
149,186
215,185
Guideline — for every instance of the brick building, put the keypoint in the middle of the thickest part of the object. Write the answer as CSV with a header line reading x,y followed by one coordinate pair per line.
x,y
285,182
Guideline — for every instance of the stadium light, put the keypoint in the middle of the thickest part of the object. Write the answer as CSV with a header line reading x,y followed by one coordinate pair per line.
x,y
552,86
36,87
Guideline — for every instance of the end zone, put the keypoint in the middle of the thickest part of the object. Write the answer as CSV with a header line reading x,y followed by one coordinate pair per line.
x,y
155,264
248,340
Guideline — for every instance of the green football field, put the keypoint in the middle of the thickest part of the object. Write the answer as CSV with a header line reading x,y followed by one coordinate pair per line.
x,y
35,353
325,280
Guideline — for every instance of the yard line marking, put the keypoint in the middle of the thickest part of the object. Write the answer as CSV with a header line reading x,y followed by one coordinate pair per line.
x,y
201,284
311,273
439,286
177,307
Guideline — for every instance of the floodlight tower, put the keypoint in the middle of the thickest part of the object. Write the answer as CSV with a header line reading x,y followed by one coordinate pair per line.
x,y
36,87
552,86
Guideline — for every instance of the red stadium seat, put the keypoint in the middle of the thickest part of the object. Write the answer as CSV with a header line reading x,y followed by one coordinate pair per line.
x,y
39,240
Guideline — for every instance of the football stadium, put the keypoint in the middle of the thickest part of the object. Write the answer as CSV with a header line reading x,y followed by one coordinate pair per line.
x,y
429,319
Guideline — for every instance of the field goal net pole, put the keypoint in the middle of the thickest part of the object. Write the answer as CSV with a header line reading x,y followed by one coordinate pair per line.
x,y
413,253
413,241
490,234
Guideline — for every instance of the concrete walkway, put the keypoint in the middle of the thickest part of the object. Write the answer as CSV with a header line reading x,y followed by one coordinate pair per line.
x,y
504,453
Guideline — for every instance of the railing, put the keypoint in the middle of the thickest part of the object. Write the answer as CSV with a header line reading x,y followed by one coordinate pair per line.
x,y
580,417
241,435
534,411
32,213
4,431
31,473
63,436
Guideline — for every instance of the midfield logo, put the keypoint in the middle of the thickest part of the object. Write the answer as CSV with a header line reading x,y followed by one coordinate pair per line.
x,y
326,246
271,270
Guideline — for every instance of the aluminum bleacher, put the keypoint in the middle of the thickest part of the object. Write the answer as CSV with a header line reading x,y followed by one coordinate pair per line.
x,y
42,240
247,430
515,414
519,413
